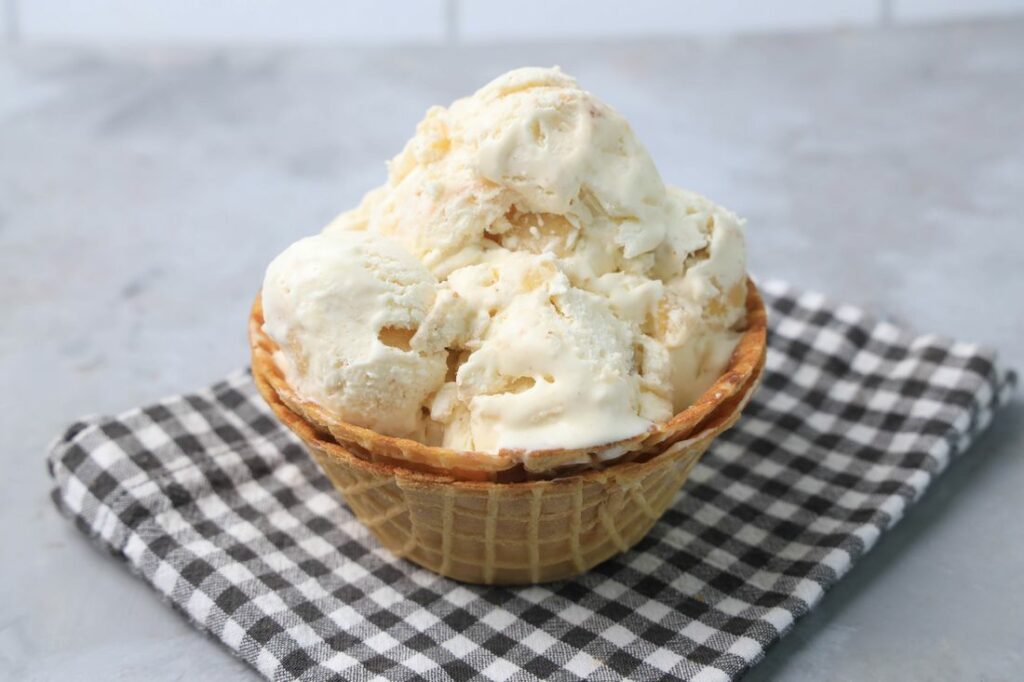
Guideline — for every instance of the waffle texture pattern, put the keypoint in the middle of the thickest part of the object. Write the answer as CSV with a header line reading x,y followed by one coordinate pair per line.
x,y
219,507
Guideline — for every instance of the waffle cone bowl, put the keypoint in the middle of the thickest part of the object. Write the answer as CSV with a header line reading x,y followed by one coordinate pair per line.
x,y
513,517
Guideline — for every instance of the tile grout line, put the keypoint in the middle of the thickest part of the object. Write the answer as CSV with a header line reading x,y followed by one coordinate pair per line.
x,y
10,9
885,12
451,22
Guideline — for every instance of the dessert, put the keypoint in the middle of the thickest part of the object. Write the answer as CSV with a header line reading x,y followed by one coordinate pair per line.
x,y
523,327
341,309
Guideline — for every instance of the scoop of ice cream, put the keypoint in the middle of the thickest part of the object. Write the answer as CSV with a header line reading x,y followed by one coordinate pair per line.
x,y
582,300
530,162
351,314
551,365
705,293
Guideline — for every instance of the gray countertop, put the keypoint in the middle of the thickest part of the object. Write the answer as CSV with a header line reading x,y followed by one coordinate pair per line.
x,y
143,191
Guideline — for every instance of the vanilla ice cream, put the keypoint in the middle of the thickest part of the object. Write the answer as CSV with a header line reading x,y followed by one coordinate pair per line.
x,y
561,295
349,312
550,360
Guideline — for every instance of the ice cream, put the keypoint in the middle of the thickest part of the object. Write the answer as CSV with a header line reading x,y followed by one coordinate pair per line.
x,y
561,295
345,310
552,361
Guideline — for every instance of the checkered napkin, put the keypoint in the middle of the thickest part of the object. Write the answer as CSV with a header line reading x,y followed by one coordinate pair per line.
x,y
220,509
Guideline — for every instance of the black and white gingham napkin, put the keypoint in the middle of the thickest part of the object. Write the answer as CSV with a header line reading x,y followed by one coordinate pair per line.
x,y
221,510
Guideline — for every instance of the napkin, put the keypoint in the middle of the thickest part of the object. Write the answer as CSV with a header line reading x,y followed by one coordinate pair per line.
x,y
218,507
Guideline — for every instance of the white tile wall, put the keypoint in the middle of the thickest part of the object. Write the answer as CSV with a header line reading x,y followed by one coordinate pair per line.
x,y
317,21
439,21
7,20
931,10
482,20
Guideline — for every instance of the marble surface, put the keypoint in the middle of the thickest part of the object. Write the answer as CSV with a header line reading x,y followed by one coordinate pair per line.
x,y
143,191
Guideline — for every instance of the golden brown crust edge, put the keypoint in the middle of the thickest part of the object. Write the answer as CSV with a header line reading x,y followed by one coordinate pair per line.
x,y
712,413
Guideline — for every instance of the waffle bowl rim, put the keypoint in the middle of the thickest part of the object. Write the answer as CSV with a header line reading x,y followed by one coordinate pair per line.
x,y
703,419
391,468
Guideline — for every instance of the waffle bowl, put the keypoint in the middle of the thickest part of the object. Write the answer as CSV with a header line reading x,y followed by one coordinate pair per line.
x,y
514,517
